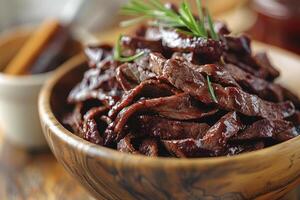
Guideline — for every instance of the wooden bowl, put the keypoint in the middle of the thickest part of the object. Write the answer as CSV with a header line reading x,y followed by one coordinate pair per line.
x,y
108,174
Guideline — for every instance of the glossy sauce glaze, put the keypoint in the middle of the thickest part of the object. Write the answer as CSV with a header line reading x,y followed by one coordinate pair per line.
x,y
185,96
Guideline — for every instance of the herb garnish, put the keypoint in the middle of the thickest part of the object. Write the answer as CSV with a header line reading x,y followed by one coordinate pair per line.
x,y
118,53
211,90
184,20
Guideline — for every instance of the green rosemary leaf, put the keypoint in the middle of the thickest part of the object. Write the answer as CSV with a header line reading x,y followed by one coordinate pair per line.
x,y
183,20
131,58
201,17
132,21
213,33
211,90
117,49
157,4
118,53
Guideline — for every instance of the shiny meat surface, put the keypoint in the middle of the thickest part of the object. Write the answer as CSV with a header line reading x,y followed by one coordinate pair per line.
x,y
185,97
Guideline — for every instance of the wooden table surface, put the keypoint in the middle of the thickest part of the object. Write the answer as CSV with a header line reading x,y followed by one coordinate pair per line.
x,y
35,175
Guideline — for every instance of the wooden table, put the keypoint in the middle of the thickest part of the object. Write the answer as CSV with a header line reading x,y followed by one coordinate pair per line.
x,y
35,175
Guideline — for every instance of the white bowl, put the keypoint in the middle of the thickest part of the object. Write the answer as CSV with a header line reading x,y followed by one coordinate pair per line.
x,y
19,121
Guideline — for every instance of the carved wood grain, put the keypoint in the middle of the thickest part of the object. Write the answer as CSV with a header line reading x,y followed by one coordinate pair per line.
x,y
108,174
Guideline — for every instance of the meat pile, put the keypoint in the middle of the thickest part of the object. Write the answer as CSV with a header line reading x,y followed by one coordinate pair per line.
x,y
161,105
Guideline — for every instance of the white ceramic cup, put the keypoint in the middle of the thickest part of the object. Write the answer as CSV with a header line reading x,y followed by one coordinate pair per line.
x,y
19,121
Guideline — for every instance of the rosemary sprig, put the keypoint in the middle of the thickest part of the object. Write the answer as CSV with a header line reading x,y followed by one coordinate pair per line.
x,y
211,90
213,33
201,16
118,53
184,20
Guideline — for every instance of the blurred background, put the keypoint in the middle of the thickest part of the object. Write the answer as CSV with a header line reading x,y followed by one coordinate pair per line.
x,y
272,21
32,174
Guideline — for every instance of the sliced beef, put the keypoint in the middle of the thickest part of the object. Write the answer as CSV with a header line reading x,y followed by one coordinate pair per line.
x,y
131,43
290,96
238,45
238,52
215,139
149,147
96,54
97,84
74,119
147,89
221,28
95,112
166,129
175,41
91,133
244,147
262,88
129,75
180,106
218,73
263,60
125,145
182,76
185,96
186,148
279,130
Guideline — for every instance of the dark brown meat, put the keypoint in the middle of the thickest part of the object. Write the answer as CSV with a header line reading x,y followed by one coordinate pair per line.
x,y
221,28
167,129
290,96
147,89
217,72
238,52
124,145
97,84
131,43
95,112
96,54
74,119
244,147
186,148
239,45
278,130
295,118
129,75
182,76
181,107
91,133
262,88
186,96
209,49
215,139
263,60
149,147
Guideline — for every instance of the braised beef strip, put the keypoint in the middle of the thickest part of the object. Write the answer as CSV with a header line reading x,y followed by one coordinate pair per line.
x,y
185,96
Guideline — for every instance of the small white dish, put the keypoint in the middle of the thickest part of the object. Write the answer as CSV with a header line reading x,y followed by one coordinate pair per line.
x,y
19,120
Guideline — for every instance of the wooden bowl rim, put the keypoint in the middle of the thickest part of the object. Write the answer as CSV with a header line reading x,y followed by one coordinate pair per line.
x,y
115,156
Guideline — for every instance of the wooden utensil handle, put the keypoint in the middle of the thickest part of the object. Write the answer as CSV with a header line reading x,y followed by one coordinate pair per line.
x,y
32,47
